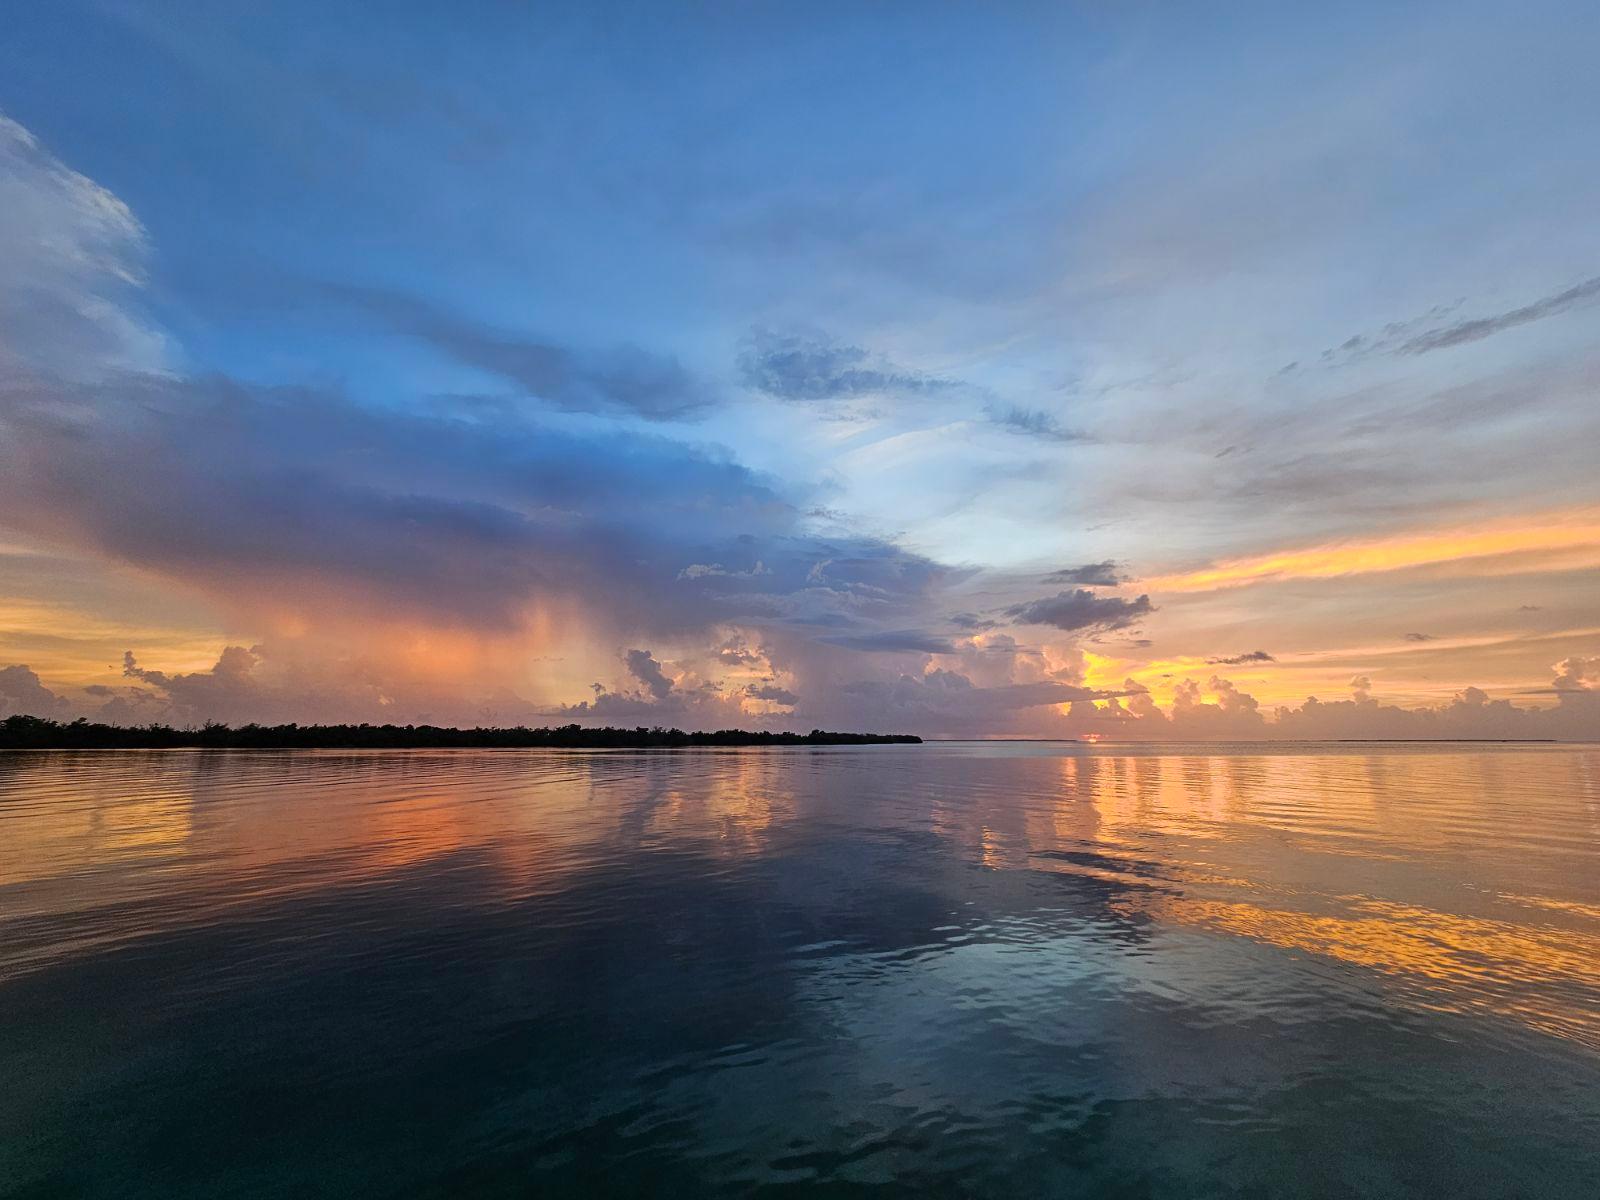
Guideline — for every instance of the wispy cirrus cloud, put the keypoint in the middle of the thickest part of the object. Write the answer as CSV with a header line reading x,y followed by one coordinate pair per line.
x,y
1560,540
1462,332
1032,422
72,254
806,368
1430,331
618,379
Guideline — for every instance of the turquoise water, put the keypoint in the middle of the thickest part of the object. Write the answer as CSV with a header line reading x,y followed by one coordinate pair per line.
x,y
963,969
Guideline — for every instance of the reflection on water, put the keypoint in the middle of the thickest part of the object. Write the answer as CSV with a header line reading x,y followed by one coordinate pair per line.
x,y
998,969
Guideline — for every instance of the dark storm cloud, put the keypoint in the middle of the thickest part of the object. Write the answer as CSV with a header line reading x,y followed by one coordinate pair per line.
x,y
734,654
642,665
1100,574
1081,609
621,379
796,367
1254,656
302,497
1032,422
773,693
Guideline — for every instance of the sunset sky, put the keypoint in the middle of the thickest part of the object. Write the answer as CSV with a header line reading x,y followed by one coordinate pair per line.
x,y
1054,370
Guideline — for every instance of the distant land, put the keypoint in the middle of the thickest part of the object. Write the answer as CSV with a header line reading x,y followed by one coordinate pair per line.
x,y
39,733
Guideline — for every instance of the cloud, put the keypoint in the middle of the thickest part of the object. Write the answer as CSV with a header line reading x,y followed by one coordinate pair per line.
x,y
772,694
21,692
1100,574
1560,540
1032,422
800,368
1578,673
906,641
1230,713
1081,609
643,666
698,706
1254,656
1479,328
71,255
973,621
949,703
1424,334
300,501
289,681
717,570
733,653
622,379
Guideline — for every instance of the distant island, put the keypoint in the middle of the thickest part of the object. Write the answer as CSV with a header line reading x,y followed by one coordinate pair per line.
x,y
39,733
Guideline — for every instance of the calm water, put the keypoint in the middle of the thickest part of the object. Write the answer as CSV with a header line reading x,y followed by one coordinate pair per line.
x,y
946,969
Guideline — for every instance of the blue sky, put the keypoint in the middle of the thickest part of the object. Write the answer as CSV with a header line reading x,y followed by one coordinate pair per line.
x,y
681,303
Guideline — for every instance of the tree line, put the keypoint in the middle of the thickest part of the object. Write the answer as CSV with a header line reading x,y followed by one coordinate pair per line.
x,y
40,733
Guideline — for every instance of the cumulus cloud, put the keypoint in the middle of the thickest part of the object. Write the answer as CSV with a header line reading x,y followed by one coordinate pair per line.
x,y
1081,609
701,706
263,685
623,379
1218,709
21,692
734,653
947,703
1579,673
643,666
801,368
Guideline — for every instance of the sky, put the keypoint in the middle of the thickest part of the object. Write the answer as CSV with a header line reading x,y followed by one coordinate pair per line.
x,y
1112,371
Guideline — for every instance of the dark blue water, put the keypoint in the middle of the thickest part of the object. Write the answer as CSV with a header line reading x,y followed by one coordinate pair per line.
x,y
953,970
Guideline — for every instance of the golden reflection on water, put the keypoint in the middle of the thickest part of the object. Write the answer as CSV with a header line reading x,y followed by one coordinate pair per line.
x,y
1445,961
1250,846
354,815
1466,881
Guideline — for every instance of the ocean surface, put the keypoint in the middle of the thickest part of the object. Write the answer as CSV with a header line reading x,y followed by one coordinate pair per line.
x,y
949,969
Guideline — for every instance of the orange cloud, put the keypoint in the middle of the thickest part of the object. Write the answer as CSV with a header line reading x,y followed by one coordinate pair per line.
x,y
1564,540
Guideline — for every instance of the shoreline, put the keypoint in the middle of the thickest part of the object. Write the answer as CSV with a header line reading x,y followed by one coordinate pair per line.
x,y
37,733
